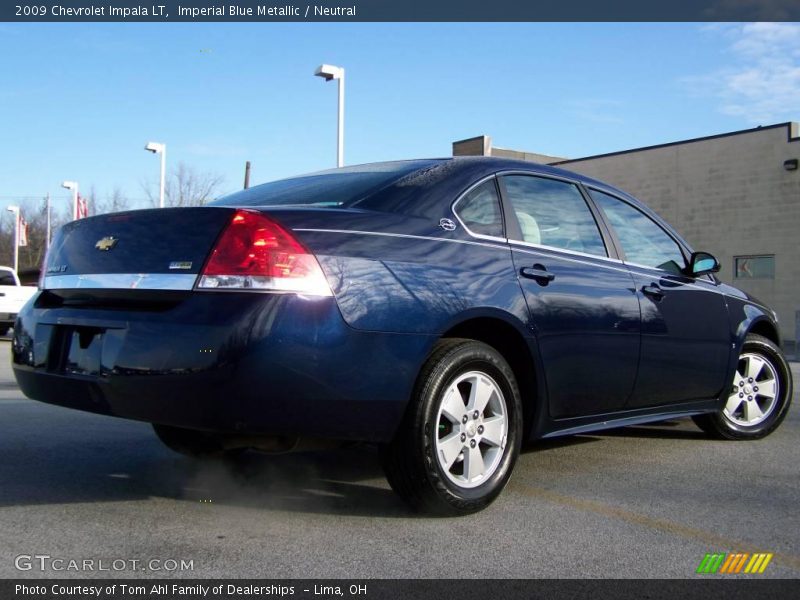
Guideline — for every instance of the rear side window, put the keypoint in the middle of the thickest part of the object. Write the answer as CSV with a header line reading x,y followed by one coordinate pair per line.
x,y
479,210
643,241
553,213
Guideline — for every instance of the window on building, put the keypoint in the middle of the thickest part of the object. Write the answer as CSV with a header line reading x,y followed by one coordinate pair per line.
x,y
754,267
553,213
643,241
479,210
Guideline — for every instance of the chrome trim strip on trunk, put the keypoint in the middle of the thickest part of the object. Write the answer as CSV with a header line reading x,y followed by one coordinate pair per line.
x,y
121,281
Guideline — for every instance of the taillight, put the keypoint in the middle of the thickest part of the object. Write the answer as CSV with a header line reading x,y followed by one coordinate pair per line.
x,y
255,253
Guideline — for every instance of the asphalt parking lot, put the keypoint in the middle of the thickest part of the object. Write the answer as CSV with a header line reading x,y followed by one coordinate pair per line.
x,y
644,502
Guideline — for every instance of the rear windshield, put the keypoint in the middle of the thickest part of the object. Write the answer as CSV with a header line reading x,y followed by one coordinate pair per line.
x,y
334,188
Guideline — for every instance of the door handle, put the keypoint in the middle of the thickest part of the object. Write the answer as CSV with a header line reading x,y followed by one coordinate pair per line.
x,y
538,273
654,291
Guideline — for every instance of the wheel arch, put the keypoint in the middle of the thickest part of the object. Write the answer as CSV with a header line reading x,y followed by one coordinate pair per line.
x,y
518,350
753,320
765,328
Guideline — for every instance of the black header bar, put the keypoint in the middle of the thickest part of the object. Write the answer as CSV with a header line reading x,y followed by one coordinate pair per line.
x,y
733,588
399,10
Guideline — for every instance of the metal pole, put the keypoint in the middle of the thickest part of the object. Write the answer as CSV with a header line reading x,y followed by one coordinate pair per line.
x,y
16,241
340,124
163,175
47,239
247,174
75,203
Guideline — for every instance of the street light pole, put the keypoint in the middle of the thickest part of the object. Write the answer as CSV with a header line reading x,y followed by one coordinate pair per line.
x,y
15,210
163,175
47,239
329,72
72,185
340,123
158,148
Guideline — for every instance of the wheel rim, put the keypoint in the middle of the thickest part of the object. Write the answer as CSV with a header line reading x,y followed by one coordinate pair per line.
x,y
471,429
754,392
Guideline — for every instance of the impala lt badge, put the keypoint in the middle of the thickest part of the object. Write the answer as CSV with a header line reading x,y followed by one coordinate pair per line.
x,y
107,243
180,264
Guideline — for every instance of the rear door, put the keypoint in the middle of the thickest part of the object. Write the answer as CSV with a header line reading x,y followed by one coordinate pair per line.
x,y
685,331
581,301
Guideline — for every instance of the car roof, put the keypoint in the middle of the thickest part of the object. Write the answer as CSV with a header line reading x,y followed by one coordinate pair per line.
x,y
419,187
421,191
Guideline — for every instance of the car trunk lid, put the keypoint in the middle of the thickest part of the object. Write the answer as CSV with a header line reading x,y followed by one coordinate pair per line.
x,y
144,249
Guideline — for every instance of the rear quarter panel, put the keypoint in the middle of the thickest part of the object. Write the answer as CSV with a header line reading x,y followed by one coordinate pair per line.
x,y
404,274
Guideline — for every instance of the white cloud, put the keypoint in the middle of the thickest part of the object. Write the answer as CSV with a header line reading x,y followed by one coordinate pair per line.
x,y
762,83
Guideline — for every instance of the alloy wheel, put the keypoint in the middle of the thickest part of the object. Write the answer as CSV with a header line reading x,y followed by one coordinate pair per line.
x,y
754,391
472,429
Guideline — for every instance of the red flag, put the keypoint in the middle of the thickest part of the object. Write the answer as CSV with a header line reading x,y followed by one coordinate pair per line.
x,y
83,207
23,231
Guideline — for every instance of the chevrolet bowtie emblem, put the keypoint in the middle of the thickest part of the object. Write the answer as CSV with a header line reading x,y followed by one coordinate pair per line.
x,y
107,243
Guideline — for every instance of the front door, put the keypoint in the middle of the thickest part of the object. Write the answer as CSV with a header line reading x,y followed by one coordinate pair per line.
x,y
686,338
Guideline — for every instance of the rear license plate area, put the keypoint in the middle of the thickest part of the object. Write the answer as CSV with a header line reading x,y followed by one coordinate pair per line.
x,y
77,350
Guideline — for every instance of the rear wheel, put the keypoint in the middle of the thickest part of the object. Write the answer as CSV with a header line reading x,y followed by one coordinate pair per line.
x,y
759,396
457,446
197,444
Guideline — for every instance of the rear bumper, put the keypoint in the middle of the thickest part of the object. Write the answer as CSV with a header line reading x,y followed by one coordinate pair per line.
x,y
251,363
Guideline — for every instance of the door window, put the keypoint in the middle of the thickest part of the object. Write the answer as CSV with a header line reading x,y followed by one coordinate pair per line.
x,y
553,213
643,241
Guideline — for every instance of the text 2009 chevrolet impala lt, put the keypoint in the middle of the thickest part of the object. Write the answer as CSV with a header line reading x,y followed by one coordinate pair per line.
x,y
444,309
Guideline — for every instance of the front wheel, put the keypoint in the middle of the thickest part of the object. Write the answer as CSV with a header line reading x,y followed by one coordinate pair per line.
x,y
759,396
460,439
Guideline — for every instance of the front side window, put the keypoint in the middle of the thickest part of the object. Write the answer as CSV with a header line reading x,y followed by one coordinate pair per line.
x,y
553,213
643,241
479,210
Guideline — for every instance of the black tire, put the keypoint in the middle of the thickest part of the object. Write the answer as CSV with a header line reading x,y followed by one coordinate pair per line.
x,y
197,444
722,426
410,461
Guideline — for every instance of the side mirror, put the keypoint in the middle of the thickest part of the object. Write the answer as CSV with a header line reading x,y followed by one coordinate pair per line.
x,y
702,263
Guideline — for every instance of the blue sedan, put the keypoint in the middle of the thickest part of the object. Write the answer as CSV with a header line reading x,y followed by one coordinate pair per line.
x,y
446,310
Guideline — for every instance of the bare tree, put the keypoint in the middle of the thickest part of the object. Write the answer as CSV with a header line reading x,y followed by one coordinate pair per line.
x,y
186,187
35,215
117,202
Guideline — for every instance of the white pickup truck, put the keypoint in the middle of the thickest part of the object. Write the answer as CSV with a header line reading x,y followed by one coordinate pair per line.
x,y
13,296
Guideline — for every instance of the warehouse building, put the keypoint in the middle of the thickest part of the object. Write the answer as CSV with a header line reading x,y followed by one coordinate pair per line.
x,y
736,195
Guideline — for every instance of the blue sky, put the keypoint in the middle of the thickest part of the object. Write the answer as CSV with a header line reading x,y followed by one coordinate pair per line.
x,y
79,101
